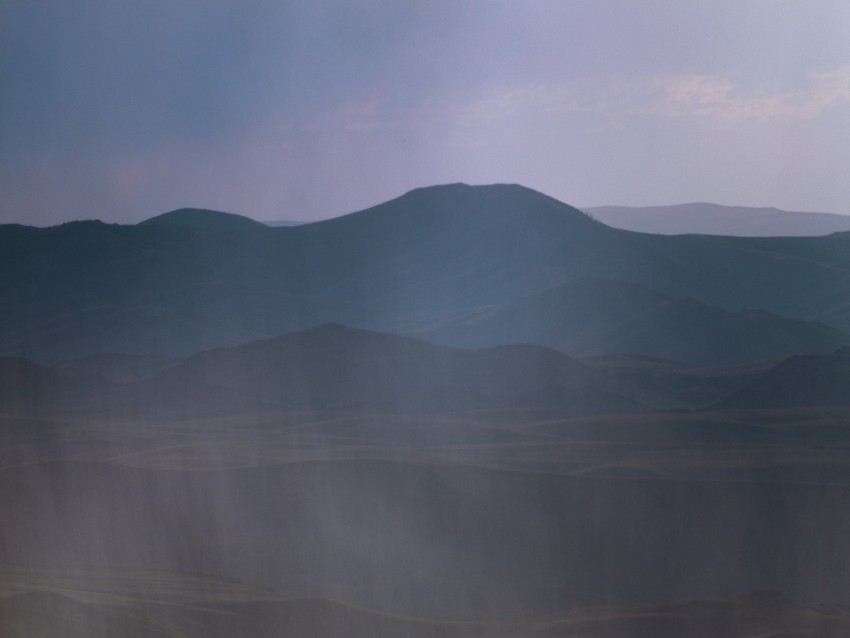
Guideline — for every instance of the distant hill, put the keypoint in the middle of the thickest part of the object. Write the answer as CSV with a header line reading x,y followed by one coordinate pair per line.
x,y
714,219
337,368
801,381
330,367
594,316
203,219
428,259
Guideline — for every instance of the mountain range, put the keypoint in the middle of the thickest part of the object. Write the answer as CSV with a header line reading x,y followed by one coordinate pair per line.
x,y
713,219
332,368
594,316
428,262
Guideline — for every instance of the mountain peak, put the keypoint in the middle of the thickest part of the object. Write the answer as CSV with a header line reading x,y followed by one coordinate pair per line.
x,y
201,218
449,205
457,189
451,187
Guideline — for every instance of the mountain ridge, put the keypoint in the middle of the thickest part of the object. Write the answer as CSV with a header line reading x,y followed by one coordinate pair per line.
x,y
717,219
423,260
801,381
591,316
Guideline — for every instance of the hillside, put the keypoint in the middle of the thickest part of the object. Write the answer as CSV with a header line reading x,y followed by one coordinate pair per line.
x,y
327,368
333,367
801,381
430,258
203,219
594,316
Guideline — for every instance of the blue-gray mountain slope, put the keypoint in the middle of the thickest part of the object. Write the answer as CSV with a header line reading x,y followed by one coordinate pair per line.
x,y
419,262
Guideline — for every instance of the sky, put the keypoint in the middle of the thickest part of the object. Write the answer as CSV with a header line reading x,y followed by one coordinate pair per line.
x,y
304,110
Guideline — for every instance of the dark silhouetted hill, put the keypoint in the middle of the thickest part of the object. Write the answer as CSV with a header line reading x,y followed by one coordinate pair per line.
x,y
801,381
337,368
422,261
593,316
326,368
203,219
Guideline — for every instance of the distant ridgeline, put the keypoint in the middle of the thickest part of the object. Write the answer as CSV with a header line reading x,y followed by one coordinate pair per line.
x,y
460,265
712,219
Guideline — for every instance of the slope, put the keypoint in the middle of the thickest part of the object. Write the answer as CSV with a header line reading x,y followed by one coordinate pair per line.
x,y
323,369
336,368
801,381
427,258
594,316
204,219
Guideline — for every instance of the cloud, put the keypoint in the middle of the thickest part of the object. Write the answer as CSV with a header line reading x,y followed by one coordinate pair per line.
x,y
722,101
609,101
536,98
372,116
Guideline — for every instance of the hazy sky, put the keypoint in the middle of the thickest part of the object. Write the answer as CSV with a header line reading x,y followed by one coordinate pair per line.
x,y
307,109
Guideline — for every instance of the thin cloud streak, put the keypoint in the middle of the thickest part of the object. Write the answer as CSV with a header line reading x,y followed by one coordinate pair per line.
x,y
712,99
722,101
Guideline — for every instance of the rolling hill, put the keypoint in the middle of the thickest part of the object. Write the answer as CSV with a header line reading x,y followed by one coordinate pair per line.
x,y
801,381
594,316
327,368
203,219
417,263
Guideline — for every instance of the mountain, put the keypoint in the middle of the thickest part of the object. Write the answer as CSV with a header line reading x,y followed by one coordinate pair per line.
x,y
203,219
801,381
713,219
328,368
430,258
594,316
337,368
